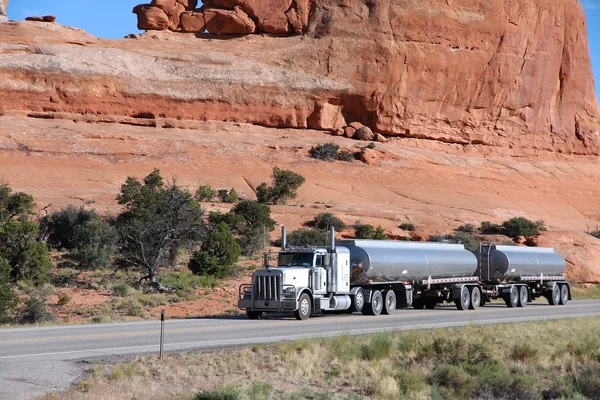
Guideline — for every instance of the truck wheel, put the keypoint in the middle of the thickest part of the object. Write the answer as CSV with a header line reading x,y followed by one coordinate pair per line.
x,y
475,297
358,301
304,307
554,296
390,302
523,296
375,306
564,294
512,300
464,301
430,304
418,304
254,314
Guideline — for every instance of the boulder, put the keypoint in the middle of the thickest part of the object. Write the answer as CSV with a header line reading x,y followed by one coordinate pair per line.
x,y
349,132
327,116
295,21
188,4
380,138
365,133
269,15
191,21
173,9
3,10
151,18
355,125
276,25
369,156
233,21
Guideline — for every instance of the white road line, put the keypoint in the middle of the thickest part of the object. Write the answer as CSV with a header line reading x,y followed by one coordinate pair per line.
x,y
215,343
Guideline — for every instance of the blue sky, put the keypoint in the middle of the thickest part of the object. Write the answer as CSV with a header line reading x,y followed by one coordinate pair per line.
x,y
113,19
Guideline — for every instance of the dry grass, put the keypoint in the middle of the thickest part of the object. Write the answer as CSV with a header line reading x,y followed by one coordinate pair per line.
x,y
549,359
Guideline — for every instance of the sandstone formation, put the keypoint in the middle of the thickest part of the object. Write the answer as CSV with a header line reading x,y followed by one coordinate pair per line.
x,y
45,18
3,10
226,16
511,75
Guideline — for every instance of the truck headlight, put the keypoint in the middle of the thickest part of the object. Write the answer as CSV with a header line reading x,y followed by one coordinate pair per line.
x,y
289,293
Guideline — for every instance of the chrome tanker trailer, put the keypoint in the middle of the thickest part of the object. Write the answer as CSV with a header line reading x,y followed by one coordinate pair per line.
x,y
377,276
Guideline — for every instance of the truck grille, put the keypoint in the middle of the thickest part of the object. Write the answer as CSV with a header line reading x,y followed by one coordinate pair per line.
x,y
267,288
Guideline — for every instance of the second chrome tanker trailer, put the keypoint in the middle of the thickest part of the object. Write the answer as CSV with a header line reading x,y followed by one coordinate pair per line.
x,y
378,276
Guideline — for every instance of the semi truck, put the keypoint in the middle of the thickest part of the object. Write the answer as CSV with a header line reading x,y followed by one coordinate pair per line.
x,y
376,277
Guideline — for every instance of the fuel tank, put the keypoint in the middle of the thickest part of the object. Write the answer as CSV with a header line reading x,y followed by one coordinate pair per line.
x,y
388,260
498,264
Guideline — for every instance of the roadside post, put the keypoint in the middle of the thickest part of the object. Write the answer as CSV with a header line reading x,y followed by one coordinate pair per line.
x,y
162,333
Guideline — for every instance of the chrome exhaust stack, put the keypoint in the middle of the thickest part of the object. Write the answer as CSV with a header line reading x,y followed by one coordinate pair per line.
x,y
283,237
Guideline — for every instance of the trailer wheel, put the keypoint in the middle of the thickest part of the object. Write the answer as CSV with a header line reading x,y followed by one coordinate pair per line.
x,y
430,304
564,294
254,314
464,301
554,296
418,304
512,300
304,307
358,301
390,302
523,296
475,297
375,306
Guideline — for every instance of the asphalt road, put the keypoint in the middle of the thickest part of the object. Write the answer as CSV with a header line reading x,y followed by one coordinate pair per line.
x,y
37,360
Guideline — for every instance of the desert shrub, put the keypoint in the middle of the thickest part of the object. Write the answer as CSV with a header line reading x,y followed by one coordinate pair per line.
x,y
253,223
185,281
63,299
8,298
453,381
228,196
33,309
595,233
325,152
508,243
217,254
325,221
313,237
379,346
345,155
467,228
410,382
541,225
468,241
259,391
366,231
489,228
523,352
283,187
407,226
94,244
218,394
59,227
205,193
371,145
120,290
587,380
520,226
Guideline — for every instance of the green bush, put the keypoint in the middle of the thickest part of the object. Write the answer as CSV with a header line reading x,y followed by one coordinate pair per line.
x,y
407,226
467,228
284,187
259,391
467,240
205,193
489,228
252,223
8,298
453,382
371,145
345,155
185,281
587,380
520,226
218,394
34,308
302,237
325,152
63,299
120,290
217,254
523,352
228,196
325,221
366,231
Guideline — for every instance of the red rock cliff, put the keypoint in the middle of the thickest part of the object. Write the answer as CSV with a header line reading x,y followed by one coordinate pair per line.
x,y
512,73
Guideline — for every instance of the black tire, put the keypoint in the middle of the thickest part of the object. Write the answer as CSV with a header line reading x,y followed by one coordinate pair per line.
x,y
564,294
376,305
254,314
464,301
554,296
358,301
475,297
304,307
389,304
430,304
418,304
523,296
512,299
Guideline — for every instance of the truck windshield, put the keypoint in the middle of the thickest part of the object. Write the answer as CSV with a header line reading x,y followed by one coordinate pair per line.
x,y
295,260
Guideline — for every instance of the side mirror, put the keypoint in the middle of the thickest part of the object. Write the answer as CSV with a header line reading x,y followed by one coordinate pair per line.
x,y
326,261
